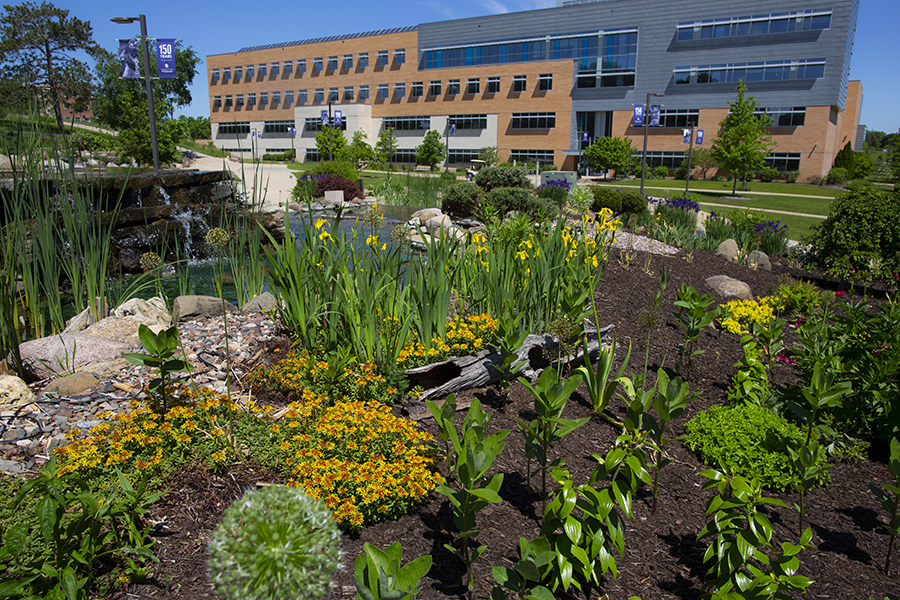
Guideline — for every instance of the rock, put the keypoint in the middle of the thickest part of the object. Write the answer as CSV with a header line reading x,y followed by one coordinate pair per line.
x,y
728,250
265,302
759,260
148,311
273,222
186,308
67,352
5,163
294,207
726,286
72,385
11,467
438,223
420,216
14,391
86,318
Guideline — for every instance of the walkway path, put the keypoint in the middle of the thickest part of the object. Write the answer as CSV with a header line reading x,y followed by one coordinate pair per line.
x,y
768,210
273,182
681,189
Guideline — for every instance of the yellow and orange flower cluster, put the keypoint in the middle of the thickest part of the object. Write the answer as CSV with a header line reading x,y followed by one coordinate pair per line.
x,y
464,336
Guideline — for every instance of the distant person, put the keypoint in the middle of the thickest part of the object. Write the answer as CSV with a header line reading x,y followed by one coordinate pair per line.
x,y
129,58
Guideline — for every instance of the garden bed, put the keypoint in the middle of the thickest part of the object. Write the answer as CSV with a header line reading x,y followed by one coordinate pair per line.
x,y
662,557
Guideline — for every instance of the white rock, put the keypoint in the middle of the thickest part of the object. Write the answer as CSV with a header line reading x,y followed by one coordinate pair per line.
x,y
14,391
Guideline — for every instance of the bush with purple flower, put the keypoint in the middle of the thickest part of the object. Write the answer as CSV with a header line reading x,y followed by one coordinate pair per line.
x,y
554,190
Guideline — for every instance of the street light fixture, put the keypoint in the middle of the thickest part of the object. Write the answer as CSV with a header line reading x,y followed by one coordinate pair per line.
x,y
646,125
147,81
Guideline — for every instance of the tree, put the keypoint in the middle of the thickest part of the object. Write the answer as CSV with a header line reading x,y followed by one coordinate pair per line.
x,y
743,142
35,46
609,153
703,161
359,153
844,158
489,155
432,150
385,147
196,128
330,143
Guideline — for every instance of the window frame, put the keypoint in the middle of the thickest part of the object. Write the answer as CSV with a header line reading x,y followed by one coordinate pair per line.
x,y
348,93
383,58
301,65
400,56
318,64
344,62
319,97
545,82
383,91
453,87
532,120
476,81
417,89
493,85
362,60
434,86
400,90
519,84
363,92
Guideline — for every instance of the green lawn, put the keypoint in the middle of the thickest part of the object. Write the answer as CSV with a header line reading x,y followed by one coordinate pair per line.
x,y
725,186
203,149
797,227
811,206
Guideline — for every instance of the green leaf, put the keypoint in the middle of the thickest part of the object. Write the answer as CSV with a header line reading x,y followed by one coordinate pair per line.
x,y
412,573
14,538
70,583
46,511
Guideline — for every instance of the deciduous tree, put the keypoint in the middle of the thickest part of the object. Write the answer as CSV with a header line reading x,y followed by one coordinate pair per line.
x,y
432,150
358,152
329,143
36,42
743,142
385,147
609,153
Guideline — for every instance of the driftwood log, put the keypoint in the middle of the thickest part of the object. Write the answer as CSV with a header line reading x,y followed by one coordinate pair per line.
x,y
466,372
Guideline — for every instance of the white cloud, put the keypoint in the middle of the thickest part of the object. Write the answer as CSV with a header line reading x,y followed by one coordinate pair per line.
x,y
494,7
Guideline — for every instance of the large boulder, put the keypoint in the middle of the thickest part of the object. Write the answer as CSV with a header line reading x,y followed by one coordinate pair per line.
x,y
262,303
66,353
152,311
125,322
759,260
14,391
186,308
729,287
71,385
728,250
421,216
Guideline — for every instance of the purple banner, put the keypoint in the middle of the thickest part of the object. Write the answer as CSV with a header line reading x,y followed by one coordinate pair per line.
x,y
324,118
638,119
699,136
654,115
130,58
687,136
165,58
338,118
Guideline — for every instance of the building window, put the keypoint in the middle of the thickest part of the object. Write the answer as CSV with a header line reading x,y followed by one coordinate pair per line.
x,y
493,85
226,74
263,98
278,126
363,61
333,95
288,67
215,74
435,88
540,120
773,70
784,161
250,71
228,101
217,101
468,121
288,97
519,83
319,96
416,89
348,93
400,56
363,92
399,90
787,116
664,158
238,73
242,128
301,97
809,20
529,156
382,58
317,65
463,156
473,86
276,97
404,155
382,91
301,66
332,63
453,87
274,70
262,69
315,124
348,62
407,123
251,99
545,82
679,117
239,100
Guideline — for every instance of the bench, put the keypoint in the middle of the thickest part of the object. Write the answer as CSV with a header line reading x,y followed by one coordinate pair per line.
x,y
422,169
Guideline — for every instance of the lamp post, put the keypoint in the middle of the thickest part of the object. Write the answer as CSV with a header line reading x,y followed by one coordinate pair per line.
x,y
147,81
293,132
687,179
646,125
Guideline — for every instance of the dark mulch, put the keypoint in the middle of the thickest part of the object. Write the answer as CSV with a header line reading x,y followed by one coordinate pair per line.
x,y
662,557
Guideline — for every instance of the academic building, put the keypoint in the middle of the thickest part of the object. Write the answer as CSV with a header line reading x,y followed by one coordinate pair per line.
x,y
541,85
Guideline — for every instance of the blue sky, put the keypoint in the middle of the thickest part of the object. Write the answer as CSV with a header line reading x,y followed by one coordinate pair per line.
x,y
227,25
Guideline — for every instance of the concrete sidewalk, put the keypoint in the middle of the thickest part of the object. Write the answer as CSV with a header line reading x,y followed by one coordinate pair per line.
x,y
272,182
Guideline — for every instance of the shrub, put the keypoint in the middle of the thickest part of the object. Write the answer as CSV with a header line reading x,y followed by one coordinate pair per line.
x,y
860,239
791,176
717,177
679,212
271,540
490,178
460,200
507,199
327,183
605,197
278,156
771,237
681,172
555,191
448,178
768,174
836,176
581,198
340,168
751,441
738,316
660,172
799,297
718,229
859,185
633,202
816,179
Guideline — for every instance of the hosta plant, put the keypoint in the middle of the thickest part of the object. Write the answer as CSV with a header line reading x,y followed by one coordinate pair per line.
x,y
379,575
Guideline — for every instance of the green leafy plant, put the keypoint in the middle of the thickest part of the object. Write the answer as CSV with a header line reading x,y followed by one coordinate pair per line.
x,y
489,178
741,552
550,398
271,540
443,417
474,454
379,575
889,498
670,401
597,380
799,297
751,382
511,337
161,348
693,315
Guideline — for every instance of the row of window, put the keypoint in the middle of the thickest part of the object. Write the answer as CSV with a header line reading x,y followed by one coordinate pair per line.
x,y
791,116
408,155
782,161
273,69
810,20
416,90
806,68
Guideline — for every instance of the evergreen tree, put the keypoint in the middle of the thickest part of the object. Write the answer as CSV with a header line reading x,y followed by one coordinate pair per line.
x,y
844,158
330,144
743,142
